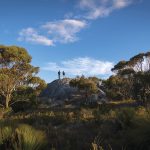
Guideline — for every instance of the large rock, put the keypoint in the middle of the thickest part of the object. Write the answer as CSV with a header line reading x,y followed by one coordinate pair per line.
x,y
59,90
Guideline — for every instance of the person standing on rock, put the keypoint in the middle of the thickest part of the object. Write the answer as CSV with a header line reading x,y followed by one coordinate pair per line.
x,y
59,74
63,74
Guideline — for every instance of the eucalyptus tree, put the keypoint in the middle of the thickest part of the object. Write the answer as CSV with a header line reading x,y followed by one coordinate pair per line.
x,y
122,82
15,70
136,62
135,72
120,66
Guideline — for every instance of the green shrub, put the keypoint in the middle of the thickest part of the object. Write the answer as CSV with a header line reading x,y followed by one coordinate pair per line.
x,y
104,108
5,133
22,137
29,138
125,117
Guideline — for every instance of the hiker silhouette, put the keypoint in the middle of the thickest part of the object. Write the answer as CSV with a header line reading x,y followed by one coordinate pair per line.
x,y
59,74
63,74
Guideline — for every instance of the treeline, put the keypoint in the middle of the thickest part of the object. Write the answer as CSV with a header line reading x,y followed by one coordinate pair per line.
x,y
19,81
131,79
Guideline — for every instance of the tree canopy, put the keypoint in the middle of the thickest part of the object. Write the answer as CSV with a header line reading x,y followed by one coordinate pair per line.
x,y
88,85
15,71
131,79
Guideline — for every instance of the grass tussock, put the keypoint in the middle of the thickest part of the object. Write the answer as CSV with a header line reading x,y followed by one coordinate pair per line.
x,y
21,137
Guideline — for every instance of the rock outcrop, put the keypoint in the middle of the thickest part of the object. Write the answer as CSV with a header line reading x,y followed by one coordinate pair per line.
x,y
59,90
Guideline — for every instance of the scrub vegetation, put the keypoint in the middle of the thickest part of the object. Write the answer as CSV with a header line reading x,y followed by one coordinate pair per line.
x,y
27,122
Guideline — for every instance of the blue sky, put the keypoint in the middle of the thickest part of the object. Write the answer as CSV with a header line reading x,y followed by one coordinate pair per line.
x,y
78,36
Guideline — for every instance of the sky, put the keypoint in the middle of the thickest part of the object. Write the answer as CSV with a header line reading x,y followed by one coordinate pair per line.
x,y
80,37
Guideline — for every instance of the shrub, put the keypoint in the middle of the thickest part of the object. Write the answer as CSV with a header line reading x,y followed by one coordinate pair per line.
x,y
138,138
21,106
22,137
5,133
125,117
5,112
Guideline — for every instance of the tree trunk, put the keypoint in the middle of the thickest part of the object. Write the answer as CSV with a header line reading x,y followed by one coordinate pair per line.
x,y
7,100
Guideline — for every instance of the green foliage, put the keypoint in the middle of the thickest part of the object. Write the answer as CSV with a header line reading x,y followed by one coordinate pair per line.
x,y
88,85
142,86
23,93
120,65
125,117
132,80
22,137
5,134
118,88
28,138
15,72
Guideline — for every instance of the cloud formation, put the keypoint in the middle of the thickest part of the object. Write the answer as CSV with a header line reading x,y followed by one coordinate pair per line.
x,y
32,36
64,31
101,8
82,66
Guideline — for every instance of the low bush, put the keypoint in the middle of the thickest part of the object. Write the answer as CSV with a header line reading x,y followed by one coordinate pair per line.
x,y
125,117
21,137
21,106
138,138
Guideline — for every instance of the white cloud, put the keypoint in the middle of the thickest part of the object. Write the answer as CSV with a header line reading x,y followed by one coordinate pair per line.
x,y
64,31
82,66
100,8
31,35
121,3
